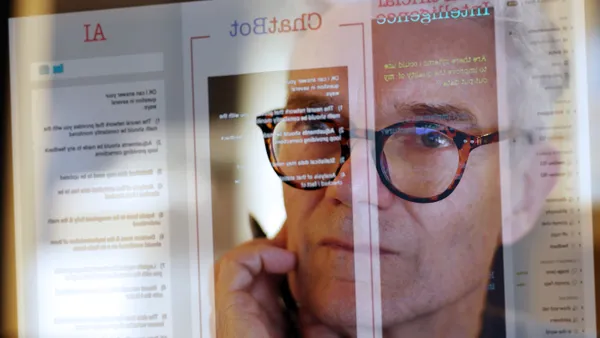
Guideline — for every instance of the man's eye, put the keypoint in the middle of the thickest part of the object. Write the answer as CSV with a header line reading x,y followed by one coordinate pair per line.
x,y
435,140
309,125
314,125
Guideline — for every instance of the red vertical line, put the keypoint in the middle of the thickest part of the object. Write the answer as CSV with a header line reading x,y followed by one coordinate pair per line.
x,y
196,183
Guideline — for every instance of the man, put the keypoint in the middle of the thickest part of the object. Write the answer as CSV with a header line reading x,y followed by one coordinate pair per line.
x,y
439,226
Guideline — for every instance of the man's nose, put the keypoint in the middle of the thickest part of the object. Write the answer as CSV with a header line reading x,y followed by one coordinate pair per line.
x,y
357,175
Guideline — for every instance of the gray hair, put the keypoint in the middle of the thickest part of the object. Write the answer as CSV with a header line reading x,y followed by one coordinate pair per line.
x,y
536,80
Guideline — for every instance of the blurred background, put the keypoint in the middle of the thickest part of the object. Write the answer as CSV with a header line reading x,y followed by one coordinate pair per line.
x,y
22,8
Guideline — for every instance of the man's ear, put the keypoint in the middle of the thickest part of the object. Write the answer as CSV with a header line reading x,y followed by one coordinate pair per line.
x,y
531,183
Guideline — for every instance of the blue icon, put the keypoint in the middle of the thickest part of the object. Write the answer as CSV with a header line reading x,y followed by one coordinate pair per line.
x,y
58,69
44,70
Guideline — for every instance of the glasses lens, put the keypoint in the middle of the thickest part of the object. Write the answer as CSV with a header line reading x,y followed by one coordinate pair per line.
x,y
306,152
421,162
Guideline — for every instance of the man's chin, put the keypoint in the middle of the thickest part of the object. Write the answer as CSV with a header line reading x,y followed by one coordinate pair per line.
x,y
327,285
333,301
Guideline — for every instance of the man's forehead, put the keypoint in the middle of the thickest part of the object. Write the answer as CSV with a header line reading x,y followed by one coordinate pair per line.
x,y
433,65
443,36
474,109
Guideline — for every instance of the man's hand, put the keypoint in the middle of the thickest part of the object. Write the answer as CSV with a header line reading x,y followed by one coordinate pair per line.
x,y
247,283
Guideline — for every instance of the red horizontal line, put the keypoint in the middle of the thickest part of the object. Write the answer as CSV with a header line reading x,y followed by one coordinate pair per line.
x,y
200,37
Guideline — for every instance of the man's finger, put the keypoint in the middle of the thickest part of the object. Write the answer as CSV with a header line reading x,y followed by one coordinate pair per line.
x,y
252,243
242,265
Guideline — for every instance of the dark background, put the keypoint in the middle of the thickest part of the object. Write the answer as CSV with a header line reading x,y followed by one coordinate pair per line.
x,y
224,158
7,299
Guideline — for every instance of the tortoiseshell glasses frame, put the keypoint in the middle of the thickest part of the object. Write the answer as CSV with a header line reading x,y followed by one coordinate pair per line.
x,y
464,142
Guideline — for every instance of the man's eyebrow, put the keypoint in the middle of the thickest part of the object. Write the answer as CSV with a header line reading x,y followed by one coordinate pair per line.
x,y
437,113
442,113
302,100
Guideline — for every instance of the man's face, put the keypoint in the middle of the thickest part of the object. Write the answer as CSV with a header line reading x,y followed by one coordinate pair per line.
x,y
430,254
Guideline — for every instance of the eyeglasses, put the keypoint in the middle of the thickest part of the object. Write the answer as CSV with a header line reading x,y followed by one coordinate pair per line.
x,y
418,161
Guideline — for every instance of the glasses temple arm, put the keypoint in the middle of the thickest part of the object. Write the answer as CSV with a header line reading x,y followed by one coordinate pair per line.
x,y
507,135
491,138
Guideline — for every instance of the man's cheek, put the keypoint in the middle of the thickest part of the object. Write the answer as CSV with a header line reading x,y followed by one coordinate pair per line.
x,y
483,171
293,246
476,184
298,278
300,204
